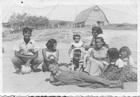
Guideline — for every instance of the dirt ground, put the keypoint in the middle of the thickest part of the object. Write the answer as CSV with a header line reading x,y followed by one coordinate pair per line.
x,y
35,82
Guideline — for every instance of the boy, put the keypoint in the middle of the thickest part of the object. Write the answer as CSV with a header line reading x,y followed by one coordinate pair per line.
x,y
77,60
26,52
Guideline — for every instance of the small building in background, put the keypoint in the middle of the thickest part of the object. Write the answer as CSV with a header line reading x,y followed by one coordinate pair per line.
x,y
90,17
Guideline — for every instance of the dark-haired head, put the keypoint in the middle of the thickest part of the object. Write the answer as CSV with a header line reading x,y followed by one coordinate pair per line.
x,y
27,32
99,41
77,53
53,67
27,29
124,52
113,53
76,38
96,31
51,44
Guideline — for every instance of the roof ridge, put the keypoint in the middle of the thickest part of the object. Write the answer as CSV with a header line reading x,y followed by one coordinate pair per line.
x,y
83,15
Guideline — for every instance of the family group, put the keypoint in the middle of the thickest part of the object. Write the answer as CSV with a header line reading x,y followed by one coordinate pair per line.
x,y
94,65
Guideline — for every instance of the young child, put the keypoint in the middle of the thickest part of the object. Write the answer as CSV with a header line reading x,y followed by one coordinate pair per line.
x,y
77,42
61,75
76,52
77,59
115,63
116,70
125,55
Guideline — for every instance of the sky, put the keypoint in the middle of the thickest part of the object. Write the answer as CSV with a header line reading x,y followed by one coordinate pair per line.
x,y
116,11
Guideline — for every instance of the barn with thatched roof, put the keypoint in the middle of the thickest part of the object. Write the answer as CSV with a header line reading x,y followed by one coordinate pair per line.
x,y
90,17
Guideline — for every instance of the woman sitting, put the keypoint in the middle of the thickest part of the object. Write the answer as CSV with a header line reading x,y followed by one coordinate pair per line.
x,y
97,59
50,53
97,32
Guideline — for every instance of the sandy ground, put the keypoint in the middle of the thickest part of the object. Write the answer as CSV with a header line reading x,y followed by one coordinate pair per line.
x,y
35,82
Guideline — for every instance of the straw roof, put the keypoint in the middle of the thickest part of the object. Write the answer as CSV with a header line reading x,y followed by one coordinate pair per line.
x,y
82,16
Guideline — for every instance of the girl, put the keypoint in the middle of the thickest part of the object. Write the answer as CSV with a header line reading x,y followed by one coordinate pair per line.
x,y
116,70
125,55
50,53
77,42
63,76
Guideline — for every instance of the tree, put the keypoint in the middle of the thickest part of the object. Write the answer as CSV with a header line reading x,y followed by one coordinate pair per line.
x,y
21,20
17,20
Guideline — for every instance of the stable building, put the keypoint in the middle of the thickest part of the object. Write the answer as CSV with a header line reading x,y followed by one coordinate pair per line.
x,y
90,17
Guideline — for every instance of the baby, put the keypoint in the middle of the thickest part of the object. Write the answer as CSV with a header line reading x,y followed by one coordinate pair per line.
x,y
76,52
77,59
77,42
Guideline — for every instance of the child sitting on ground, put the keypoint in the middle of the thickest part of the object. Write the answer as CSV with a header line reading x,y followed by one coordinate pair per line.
x,y
125,55
76,52
114,61
77,59
117,69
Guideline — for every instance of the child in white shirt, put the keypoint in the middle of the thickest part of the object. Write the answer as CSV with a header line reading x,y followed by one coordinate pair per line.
x,y
125,55
77,42
76,52
117,68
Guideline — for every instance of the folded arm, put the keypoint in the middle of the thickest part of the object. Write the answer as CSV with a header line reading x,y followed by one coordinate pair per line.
x,y
17,54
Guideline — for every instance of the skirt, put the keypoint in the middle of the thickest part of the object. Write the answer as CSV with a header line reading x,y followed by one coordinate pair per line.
x,y
112,73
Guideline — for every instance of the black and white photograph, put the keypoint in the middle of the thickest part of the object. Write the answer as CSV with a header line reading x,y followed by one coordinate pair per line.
x,y
69,46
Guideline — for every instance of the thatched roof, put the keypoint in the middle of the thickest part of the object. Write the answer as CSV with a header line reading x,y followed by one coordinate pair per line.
x,y
82,16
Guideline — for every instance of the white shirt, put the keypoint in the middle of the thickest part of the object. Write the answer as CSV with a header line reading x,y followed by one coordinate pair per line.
x,y
119,63
26,49
77,45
